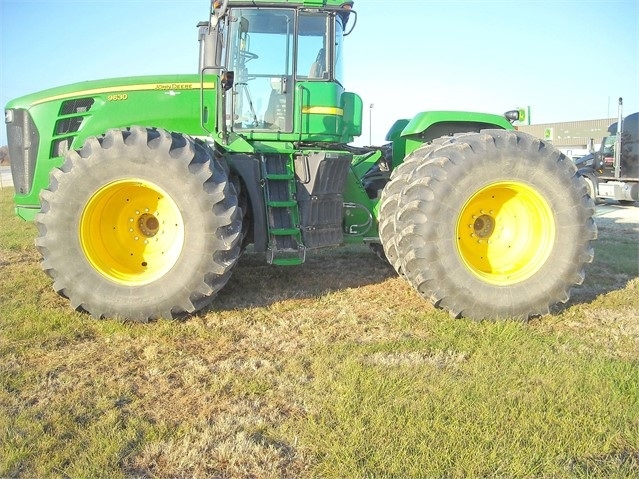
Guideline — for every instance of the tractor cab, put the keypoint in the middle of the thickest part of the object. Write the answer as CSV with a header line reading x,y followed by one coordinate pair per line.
x,y
282,71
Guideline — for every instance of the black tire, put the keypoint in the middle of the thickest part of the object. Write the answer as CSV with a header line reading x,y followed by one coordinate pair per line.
x,y
139,224
497,224
391,198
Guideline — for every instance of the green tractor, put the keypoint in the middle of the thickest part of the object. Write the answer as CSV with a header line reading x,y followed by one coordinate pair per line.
x,y
146,190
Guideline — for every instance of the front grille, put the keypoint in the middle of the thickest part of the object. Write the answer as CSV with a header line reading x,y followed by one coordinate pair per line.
x,y
73,113
23,141
77,105
68,125
61,146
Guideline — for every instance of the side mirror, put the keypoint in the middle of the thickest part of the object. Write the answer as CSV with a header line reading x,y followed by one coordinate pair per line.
x,y
515,115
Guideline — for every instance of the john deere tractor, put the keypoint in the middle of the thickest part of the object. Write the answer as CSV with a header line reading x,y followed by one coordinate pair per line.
x,y
146,190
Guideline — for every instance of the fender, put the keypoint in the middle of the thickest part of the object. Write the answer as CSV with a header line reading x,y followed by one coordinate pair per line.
x,y
424,123
429,125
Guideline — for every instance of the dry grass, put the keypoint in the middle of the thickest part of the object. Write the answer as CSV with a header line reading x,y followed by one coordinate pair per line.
x,y
332,369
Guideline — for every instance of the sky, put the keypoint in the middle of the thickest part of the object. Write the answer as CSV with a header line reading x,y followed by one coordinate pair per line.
x,y
566,60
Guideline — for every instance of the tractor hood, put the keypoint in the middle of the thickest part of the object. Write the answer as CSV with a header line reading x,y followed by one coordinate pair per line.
x,y
166,83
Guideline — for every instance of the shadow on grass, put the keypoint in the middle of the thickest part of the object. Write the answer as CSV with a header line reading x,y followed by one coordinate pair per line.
x,y
255,283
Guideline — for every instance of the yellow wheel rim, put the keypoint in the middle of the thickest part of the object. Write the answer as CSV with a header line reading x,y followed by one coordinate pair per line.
x,y
131,232
505,233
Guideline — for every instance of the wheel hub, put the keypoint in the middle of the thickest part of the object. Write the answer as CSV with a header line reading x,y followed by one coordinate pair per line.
x,y
131,231
149,225
505,232
484,226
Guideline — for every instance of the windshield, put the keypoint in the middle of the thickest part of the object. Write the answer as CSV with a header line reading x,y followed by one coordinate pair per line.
x,y
261,49
609,145
262,42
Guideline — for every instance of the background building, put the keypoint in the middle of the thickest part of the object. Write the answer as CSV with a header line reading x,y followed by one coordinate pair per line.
x,y
573,138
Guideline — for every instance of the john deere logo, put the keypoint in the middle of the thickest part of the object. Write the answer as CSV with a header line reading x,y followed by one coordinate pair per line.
x,y
549,134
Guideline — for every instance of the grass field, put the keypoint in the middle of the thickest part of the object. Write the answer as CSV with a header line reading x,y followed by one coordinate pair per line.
x,y
332,369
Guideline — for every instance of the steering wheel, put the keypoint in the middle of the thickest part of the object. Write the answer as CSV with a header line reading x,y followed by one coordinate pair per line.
x,y
248,56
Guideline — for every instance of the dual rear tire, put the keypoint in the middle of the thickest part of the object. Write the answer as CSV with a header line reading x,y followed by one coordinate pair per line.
x,y
494,224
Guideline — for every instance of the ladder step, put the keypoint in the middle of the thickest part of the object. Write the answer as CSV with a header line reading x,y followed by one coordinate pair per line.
x,y
287,261
286,256
281,203
280,187
285,231
279,176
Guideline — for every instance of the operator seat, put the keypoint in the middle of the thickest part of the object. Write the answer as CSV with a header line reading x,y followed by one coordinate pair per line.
x,y
277,115
317,68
